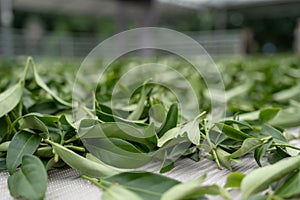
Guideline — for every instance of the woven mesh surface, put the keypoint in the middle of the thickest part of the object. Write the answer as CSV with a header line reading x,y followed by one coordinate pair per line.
x,y
66,183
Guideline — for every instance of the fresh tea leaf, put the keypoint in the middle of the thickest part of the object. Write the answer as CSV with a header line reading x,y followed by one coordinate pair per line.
x,y
234,180
10,98
248,145
261,151
33,123
192,130
170,120
43,85
232,133
22,143
169,135
136,114
30,181
290,187
118,192
194,189
157,114
224,158
147,185
268,114
82,164
277,136
259,179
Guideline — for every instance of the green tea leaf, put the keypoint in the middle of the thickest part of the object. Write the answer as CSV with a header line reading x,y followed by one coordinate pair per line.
x,y
278,137
232,133
118,192
10,98
157,114
268,114
259,179
240,123
184,190
169,135
3,164
116,152
277,155
248,145
287,94
194,189
22,143
167,164
4,146
192,130
234,180
4,128
136,114
261,151
290,187
93,129
82,164
239,90
117,144
43,85
170,121
288,117
150,134
30,181
33,123
224,158
147,185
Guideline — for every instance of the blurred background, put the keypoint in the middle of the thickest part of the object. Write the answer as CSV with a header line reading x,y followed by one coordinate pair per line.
x,y
72,28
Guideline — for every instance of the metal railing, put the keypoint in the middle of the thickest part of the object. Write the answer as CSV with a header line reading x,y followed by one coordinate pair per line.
x,y
14,42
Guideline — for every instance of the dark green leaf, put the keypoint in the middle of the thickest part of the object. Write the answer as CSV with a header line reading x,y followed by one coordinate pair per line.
x,y
287,94
136,114
192,130
170,121
234,180
116,152
248,145
3,128
224,158
288,117
147,185
278,137
259,179
33,123
3,164
268,114
83,165
169,135
118,192
22,143
110,142
30,181
93,129
4,146
157,114
261,151
290,187
232,133
167,164
240,123
43,85
277,154
194,189
10,98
